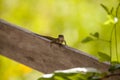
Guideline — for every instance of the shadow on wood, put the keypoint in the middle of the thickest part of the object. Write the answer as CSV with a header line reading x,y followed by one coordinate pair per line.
x,y
36,52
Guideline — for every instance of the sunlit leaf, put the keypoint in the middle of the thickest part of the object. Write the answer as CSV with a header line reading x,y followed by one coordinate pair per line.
x,y
74,74
110,20
87,39
104,56
94,78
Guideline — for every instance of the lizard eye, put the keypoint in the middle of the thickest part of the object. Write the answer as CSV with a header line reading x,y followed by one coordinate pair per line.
x,y
60,36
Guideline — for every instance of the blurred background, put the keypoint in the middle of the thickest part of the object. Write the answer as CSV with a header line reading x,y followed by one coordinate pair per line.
x,y
75,19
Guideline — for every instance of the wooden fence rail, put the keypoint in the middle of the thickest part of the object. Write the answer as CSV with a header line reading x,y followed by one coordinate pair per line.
x,y
34,51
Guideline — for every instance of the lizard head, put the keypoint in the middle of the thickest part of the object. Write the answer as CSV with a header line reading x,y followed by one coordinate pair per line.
x,y
61,37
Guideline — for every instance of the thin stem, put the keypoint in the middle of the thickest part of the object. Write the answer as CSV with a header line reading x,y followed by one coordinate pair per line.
x,y
111,43
114,27
116,42
116,32
104,40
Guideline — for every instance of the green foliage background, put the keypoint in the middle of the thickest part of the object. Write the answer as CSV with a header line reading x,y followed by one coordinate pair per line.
x,y
76,19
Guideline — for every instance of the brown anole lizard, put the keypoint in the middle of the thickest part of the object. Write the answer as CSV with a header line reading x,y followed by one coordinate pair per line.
x,y
59,40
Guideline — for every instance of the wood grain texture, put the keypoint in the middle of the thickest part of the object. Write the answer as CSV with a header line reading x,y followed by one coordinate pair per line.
x,y
35,51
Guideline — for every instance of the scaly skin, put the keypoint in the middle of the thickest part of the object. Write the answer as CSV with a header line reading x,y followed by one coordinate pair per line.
x,y
60,40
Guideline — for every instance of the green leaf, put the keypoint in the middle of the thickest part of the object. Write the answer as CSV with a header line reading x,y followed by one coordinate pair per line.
x,y
87,39
74,74
94,76
110,20
96,35
104,56
105,8
114,68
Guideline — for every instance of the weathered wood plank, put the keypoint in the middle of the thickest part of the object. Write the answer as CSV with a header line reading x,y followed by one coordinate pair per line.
x,y
35,52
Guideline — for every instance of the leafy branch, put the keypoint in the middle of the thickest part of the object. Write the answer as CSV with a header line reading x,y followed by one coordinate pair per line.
x,y
96,36
114,29
82,74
